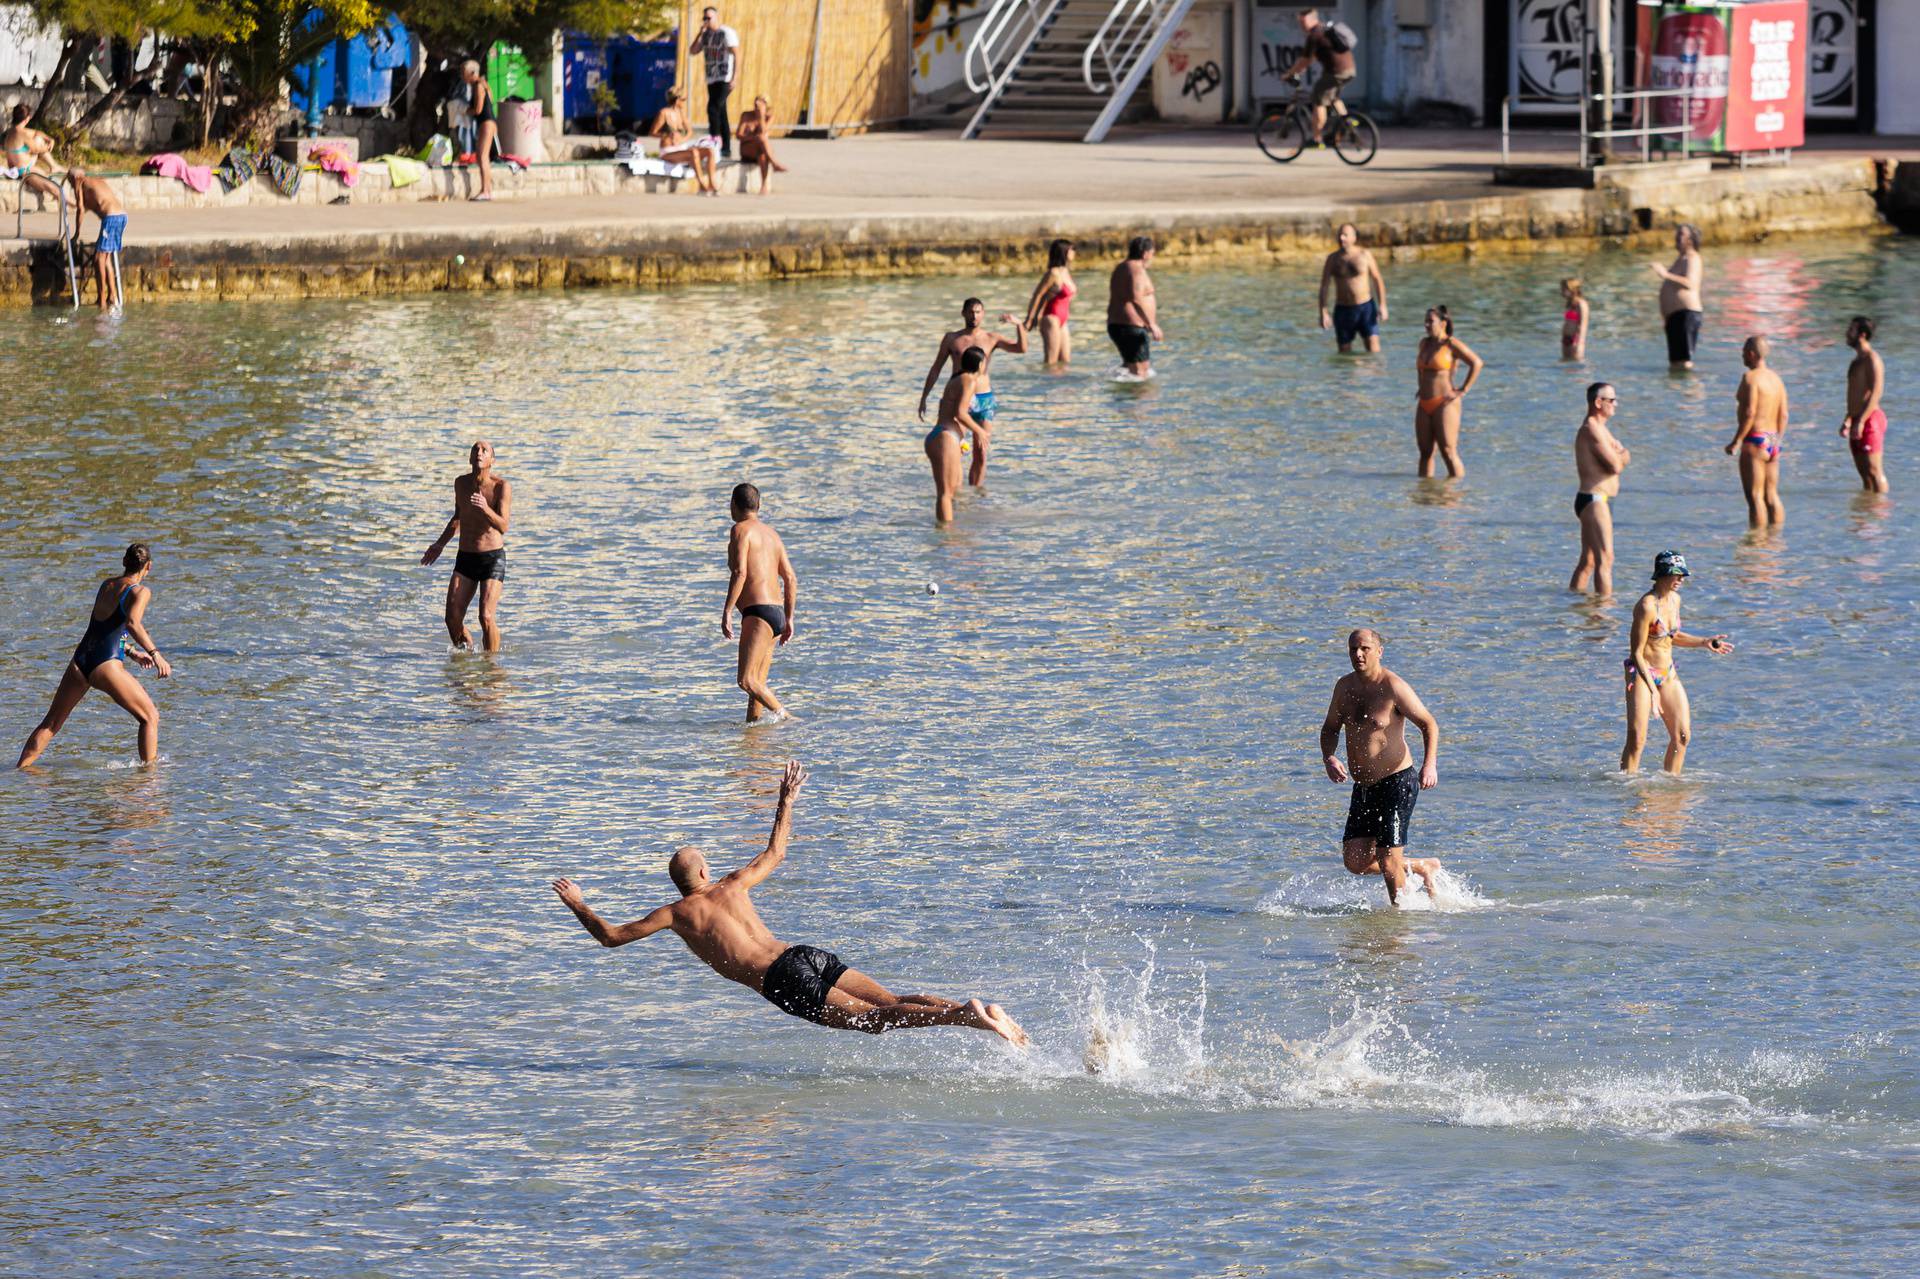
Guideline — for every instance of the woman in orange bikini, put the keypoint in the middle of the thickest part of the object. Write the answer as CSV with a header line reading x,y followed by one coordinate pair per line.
x,y
1436,420
1573,323
1051,301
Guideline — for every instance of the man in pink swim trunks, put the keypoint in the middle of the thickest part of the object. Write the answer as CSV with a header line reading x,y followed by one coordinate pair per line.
x,y
1865,425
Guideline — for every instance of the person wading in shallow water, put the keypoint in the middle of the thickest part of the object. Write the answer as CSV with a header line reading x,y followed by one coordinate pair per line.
x,y
717,921
119,609
974,336
482,509
1652,678
1373,706
759,573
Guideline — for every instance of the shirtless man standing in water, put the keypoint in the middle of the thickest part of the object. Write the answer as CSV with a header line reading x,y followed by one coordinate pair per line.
x,y
1599,457
1680,295
1373,705
482,509
972,336
717,921
756,559
1359,292
1760,433
1865,425
1133,315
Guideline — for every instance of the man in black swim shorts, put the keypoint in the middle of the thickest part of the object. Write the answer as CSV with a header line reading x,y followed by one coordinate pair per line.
x,y
717,921
758,571
1132,310
482,509
1373,706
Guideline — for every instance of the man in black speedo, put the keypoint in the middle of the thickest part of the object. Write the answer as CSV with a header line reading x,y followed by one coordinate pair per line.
x,y
482,509
717,921
1373,705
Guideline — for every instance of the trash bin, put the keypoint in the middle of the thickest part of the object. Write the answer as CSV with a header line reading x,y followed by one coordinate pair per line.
x,y
585,60
642,71
520,130
509,74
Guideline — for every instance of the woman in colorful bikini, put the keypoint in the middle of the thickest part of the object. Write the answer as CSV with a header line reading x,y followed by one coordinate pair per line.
x,y
1436,419
1652,679
1573,322
955,430
119,607
1052,300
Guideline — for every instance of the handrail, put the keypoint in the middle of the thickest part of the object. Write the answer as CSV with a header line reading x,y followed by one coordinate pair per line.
x,y
66,238
988,45
1646,131
1141,20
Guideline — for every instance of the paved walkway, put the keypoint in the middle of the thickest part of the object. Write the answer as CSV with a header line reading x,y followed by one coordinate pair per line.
x,y
1144,172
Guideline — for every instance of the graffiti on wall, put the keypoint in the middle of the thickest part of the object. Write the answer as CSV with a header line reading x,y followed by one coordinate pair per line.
x,y
1833,54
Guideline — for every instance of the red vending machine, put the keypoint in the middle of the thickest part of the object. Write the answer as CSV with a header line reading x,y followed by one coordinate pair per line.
x,y
1744,67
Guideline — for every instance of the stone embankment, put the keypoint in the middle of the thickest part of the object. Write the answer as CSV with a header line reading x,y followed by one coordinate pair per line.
x,y
738,242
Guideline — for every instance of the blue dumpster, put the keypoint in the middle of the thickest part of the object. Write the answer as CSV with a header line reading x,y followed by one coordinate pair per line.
x,y
369,61
585,65
313,85
642,71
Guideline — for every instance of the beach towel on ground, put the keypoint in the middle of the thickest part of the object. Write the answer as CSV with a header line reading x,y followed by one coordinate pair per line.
x,y
402,171
335,160
198,177
238,168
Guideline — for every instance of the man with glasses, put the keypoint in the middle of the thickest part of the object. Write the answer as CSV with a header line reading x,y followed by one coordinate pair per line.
x,y
1599,458
719,49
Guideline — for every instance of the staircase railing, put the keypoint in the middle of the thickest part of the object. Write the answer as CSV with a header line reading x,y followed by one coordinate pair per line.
x,y
1122,52
1130,26
1003,29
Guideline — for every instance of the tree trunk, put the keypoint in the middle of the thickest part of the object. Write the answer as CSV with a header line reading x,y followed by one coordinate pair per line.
x,y
74,47
209,91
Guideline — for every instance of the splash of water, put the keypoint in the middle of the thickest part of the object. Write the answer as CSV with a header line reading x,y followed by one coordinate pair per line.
x,y
1327,893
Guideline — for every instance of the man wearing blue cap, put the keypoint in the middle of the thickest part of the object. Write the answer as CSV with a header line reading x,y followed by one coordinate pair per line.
x,y
1652,679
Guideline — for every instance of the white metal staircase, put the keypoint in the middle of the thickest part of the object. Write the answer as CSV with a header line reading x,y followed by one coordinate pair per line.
x,y
1064,66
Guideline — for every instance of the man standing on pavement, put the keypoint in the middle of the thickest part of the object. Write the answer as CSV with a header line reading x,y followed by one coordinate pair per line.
x,y
719,49
1373,705
1336,67
1359,292
1131,311
482,509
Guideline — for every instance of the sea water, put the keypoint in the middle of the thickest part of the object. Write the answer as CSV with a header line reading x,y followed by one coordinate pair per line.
x,y
299,1001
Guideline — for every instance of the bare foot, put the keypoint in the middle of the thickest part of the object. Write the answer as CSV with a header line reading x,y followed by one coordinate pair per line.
x,y
1426,868
991,1017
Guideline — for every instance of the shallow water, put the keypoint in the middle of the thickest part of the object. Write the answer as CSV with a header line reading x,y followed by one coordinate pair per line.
x,y
299,1002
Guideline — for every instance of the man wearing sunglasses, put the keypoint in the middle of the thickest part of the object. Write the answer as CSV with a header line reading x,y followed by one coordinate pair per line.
x,y
1599,457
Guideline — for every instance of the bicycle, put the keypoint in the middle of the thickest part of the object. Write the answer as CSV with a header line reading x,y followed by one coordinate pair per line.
x,y
1285,128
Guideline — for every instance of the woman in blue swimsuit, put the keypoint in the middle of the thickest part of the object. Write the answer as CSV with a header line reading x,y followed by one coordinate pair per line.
x,y
118,607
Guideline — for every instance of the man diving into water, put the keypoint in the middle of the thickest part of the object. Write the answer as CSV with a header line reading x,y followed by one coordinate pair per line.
x,y
717,921
1373,705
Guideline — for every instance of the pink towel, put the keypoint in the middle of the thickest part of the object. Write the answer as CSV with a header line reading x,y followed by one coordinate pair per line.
x,y
334,160
168,165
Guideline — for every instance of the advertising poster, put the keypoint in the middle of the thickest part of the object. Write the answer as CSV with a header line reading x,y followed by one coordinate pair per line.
x,y
1692,50
1767,97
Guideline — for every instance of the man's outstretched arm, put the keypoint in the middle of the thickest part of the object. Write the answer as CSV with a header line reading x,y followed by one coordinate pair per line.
x,y
763,865
609,934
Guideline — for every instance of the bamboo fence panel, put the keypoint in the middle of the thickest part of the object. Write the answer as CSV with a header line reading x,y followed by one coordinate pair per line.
x,y
863,63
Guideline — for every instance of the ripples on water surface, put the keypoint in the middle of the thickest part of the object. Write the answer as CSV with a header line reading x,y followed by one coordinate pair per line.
x,y
300,1003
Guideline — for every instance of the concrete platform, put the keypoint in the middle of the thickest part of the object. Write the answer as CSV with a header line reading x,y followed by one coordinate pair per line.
x,y
920,203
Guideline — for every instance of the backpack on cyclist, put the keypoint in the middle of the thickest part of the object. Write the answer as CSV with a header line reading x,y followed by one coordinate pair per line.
x,y
1340,37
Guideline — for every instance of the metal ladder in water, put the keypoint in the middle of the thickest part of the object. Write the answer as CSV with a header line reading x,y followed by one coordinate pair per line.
x,y
1064,66
66,240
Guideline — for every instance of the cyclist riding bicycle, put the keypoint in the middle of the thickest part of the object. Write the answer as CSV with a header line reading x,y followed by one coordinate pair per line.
x,y
1332,48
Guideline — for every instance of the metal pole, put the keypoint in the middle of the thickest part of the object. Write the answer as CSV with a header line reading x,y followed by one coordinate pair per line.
x,y
1506,104
1603,42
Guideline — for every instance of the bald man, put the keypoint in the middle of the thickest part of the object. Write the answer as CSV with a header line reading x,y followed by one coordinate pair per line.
x,y
718,923
482,509
1372,706
1760,433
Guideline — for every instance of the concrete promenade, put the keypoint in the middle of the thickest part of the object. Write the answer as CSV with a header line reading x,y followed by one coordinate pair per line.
x,y
920,203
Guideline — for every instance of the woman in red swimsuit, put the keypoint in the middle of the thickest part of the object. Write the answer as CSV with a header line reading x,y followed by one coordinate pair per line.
x,y
1052,299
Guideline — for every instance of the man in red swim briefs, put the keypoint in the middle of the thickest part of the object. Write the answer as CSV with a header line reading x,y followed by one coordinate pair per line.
x,y
1865,425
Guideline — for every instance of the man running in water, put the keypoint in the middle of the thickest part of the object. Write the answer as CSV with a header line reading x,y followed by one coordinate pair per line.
x,y
756,561
1132,313
1373,705
1359,292
1599,457
482,509
1680,296
717,921
1760,433
956,344
1865,425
